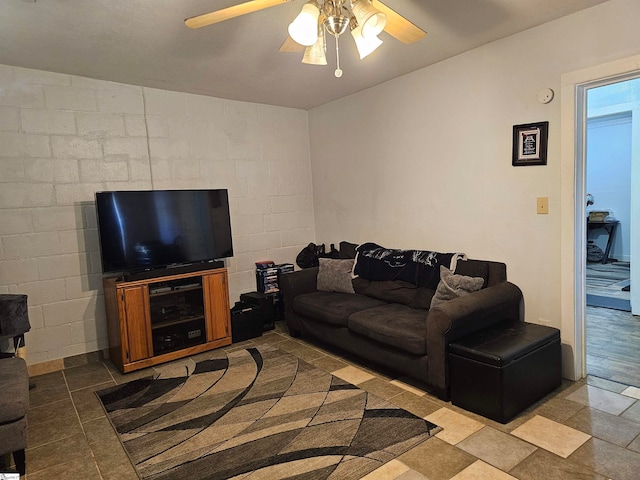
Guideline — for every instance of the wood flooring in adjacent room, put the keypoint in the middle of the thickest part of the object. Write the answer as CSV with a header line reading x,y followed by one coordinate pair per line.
x,y
613,335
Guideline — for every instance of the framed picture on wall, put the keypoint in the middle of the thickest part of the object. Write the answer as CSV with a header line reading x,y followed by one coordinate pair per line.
x,y
530,144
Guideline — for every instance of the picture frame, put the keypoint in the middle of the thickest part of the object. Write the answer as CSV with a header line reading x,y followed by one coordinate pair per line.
x,y
530,144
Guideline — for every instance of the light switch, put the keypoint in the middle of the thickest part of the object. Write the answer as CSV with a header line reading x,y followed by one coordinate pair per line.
x,y
543,205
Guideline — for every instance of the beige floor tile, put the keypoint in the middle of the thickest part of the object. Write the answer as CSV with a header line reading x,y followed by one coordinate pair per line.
x,y
392,469
551,436
456,427
497,448
633,392
352,375
594,397
479,470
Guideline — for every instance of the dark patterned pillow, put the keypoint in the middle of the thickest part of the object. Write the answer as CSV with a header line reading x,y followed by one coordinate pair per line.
x,y
453,286
335,275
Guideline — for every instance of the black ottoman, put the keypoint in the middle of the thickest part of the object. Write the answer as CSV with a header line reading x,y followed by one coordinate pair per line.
x,y
500,371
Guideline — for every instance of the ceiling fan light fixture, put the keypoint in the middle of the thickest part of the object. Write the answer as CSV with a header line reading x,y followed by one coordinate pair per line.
x,y
365,46
304,28
315,54
371,20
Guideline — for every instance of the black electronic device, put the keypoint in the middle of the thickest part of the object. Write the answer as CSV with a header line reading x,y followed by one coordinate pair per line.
x,y
267,305
246,321
146,230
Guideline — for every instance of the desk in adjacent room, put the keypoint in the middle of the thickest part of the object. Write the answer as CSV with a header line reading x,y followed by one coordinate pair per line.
x,y
610,227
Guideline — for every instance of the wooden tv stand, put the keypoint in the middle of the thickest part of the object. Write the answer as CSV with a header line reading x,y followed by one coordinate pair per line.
x,y
156,320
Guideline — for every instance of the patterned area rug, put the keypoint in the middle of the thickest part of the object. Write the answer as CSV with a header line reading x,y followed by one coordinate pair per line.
x,y
257,413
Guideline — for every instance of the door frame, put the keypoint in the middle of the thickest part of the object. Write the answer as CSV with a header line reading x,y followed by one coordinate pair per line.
x,y
573,207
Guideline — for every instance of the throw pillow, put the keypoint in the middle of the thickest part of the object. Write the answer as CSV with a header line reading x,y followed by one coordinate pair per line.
x,y
335,275
453,286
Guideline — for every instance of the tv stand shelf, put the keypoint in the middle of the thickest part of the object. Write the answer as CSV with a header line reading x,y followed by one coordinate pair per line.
x,y
159,319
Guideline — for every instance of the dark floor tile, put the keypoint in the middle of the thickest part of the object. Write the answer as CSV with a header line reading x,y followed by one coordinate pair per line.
x,y
329,363
613,429
67,449
43,413
83,359
542,464
608,459
381,388
436,459
121,378
80,468
86,376
420,406
86,402
48,379
635,445
56,428
559,409
633,412
48,388
109,454
606,384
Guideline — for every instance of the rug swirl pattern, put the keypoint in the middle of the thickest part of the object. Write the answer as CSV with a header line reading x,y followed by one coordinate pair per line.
x,y
257,413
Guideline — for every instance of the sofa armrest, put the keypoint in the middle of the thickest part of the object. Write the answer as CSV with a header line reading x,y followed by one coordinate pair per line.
x,y
291,285
457,318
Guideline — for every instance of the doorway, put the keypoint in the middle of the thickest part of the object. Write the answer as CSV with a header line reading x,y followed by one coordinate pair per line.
x,y
573,206
611,331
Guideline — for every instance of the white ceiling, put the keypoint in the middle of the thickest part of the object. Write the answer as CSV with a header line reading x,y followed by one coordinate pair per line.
x,y
145,42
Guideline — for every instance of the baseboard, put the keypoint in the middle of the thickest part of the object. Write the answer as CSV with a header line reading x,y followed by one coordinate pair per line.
x,y
58,364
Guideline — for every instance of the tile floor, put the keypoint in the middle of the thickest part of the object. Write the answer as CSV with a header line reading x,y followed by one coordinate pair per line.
x,y
584,430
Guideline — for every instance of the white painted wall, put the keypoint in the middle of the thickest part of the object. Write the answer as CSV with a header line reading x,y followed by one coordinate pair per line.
x,y
64,137
609,179
424,161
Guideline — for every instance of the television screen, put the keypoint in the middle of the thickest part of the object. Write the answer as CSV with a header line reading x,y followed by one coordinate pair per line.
x,y
144,230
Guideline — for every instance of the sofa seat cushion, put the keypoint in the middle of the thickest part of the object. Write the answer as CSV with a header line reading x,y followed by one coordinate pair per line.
x,y
393,324
332,307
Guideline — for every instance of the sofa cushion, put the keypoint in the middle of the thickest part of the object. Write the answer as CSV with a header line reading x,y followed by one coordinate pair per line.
x,y
453,286
335,275
332,307
422,298
392,291
473,268
393,324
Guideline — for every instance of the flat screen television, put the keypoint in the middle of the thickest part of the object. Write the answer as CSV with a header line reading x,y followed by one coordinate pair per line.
x,y
147,230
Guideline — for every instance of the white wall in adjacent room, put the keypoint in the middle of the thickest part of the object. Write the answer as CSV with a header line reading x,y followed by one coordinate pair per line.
x,y
424,161
62,138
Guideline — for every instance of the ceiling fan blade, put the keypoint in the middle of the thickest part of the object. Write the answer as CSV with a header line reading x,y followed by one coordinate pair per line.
x,y
231,12
399,27
290,45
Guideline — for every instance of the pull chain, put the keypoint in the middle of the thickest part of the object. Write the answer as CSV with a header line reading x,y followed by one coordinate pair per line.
x,y
338,71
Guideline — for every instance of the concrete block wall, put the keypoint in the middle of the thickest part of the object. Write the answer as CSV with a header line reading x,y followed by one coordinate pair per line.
x,y
62,138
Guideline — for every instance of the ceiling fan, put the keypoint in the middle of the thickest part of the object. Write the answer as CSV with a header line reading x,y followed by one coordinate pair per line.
x,y
365,19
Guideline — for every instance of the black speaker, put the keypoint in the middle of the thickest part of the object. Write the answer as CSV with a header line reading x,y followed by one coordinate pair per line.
x,y
267,305
246,322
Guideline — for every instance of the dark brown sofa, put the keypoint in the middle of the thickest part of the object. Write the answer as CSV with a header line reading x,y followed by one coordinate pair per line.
x,y
390,324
